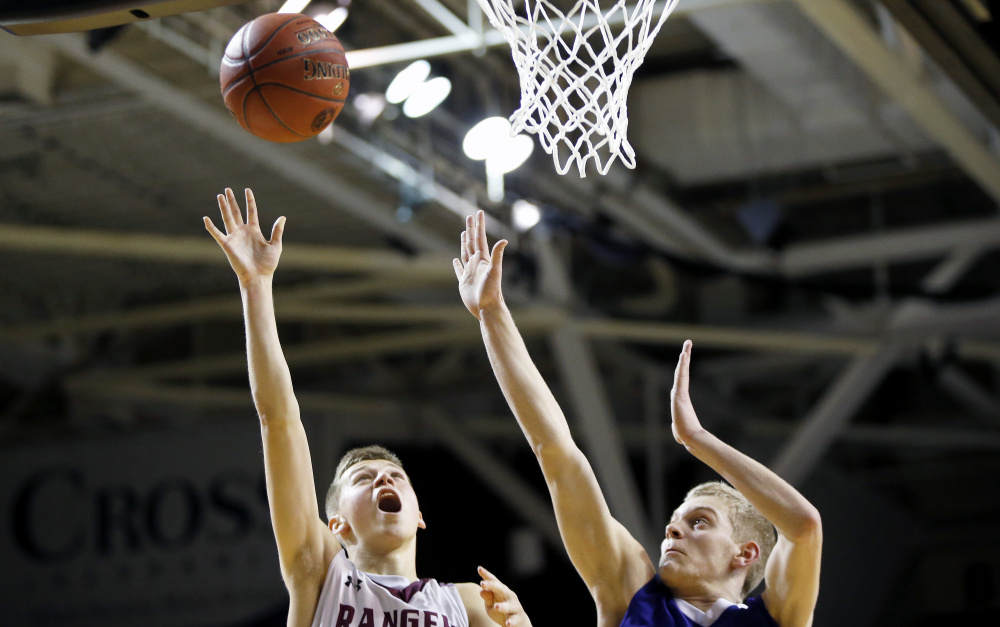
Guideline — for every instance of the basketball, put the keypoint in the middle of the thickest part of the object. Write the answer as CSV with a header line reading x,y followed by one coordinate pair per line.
x,y
284,77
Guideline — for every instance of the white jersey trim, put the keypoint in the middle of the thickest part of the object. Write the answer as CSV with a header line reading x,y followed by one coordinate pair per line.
x,y
352,598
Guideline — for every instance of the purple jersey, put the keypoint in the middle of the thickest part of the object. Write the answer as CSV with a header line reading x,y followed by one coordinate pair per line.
x,y
654,606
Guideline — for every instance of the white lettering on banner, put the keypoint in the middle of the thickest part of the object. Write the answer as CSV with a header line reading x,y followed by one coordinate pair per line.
x,y
158,529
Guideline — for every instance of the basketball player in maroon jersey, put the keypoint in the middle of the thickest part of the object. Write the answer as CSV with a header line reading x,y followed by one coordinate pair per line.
x,y
360,569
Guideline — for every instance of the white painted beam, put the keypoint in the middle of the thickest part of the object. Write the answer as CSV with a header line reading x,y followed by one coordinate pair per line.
x,y
897,246
216,124
970,394
824,423
844,24
219,307
204,250
599,433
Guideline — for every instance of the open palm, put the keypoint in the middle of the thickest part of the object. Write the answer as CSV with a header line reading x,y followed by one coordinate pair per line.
x,y
249,254
478,270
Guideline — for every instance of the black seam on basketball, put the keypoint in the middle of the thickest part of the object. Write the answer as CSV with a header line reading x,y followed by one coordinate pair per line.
x,y
299,54
275,115
246,97
273,34
299,91
233,83
243,46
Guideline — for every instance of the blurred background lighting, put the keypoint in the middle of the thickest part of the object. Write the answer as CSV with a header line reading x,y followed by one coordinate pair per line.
x,y
406,81
332,20
293,6
426,96
525,215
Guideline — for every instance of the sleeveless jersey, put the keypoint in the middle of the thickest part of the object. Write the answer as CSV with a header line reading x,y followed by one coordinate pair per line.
x,y
351,598
654,606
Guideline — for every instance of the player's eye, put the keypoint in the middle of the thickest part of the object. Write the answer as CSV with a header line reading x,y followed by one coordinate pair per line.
x,y
398,475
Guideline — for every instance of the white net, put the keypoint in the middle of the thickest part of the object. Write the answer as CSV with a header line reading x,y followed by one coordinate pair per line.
x,y
576,68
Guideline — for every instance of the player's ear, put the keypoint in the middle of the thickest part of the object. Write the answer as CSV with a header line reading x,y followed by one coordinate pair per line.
x,y
420,520
339,525
749,553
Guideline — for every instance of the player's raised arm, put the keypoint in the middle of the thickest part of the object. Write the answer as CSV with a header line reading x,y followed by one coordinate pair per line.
x,y
298,529
612,563
792,572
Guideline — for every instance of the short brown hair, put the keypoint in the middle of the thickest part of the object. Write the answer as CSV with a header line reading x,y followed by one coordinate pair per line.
x,y
748,525
350,458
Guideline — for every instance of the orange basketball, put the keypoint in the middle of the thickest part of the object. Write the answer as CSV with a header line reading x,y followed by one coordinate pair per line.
x,y
284,77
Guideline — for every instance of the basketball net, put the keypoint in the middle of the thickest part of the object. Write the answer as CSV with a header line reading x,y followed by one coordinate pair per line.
x,y
575,74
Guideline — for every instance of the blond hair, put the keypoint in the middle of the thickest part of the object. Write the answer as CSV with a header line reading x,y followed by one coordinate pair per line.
x,y
749,525
350,458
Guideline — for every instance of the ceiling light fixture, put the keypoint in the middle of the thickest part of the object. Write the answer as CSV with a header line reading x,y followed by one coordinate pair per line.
x,y
525,215
490,141
332,20
407,81
426,97
293,6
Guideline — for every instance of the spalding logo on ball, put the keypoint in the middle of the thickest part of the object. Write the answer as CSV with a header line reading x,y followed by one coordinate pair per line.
x,y
284,77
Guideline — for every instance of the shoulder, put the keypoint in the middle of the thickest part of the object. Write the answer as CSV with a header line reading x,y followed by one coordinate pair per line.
x,y
473,603
652,604
758,610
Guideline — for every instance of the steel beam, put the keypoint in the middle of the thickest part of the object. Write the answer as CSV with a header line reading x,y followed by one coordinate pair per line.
x,y
844,24
203,250
600,436
897,246
832,412
216,124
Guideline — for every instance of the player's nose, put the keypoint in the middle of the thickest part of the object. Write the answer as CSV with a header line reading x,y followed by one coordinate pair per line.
x,y
672,531
384,478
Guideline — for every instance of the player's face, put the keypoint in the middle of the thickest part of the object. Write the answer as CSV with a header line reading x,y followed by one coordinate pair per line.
x,y
379,504
698,549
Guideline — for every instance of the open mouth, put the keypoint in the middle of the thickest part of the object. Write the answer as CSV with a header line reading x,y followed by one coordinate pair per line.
x,y
389,503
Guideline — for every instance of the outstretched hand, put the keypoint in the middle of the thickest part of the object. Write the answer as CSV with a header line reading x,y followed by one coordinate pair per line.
x,y
685,424
501,602
250,255
478,270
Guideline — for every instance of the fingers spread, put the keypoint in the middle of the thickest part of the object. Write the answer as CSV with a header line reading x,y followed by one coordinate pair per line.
x,y
234,207
227,220
277,230
481,232
469,237
496,257
216,234
251,207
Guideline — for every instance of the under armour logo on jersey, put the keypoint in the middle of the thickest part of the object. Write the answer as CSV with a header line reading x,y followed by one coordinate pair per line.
x,y
353,582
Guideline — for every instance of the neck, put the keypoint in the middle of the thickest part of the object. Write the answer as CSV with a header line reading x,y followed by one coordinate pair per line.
x,y
401,561
704,597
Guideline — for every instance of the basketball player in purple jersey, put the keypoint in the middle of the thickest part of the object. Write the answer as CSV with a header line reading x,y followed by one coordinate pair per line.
x,y
360,569
718,544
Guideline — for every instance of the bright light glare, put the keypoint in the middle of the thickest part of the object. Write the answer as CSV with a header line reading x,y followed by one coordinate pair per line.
x,y
293,6
482,137
326,135
525,215
406,81
369,107
426,96
332,20
509,153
